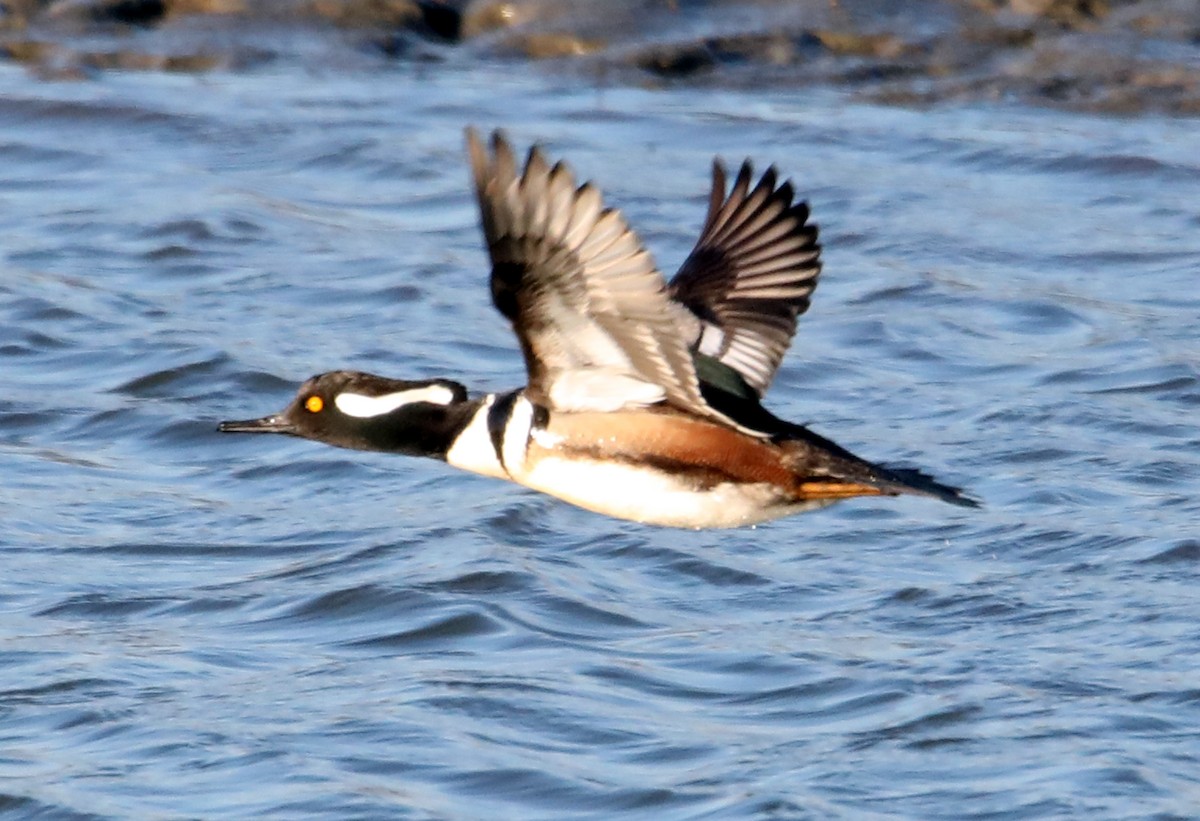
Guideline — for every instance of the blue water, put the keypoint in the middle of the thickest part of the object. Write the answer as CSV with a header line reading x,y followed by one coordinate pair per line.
x,y
203,626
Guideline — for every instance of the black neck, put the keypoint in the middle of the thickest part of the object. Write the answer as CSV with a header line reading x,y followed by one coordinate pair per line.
x,y
421,429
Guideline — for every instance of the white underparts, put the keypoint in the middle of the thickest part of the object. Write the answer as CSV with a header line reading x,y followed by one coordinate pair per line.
x,y
645,494
363,406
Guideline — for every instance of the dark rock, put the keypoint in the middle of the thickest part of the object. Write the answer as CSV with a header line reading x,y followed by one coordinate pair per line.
x,y
680,61
130,12
441,19
368,13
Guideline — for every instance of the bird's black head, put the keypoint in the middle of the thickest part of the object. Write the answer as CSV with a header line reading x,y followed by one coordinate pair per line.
x,y
367,412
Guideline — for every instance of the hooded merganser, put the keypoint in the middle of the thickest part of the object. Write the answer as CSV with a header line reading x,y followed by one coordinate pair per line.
x,y
643,399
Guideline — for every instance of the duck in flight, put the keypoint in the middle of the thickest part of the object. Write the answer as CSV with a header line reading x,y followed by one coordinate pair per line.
x,y
644,397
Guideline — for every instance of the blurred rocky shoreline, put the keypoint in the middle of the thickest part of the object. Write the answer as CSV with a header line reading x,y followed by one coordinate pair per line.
x,y
1115,56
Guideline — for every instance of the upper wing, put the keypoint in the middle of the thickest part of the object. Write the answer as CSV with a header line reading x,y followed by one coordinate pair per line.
x,y
595,323
750,275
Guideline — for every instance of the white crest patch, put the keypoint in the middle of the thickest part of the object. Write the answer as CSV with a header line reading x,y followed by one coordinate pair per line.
x,y
362,406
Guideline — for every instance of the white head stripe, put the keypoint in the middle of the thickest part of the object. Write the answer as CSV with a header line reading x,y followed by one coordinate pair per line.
x,y
357,404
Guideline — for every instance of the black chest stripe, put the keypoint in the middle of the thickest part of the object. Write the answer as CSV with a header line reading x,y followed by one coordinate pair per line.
x,y
498,417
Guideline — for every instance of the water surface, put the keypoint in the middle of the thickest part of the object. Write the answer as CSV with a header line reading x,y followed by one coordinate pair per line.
x,y
205,626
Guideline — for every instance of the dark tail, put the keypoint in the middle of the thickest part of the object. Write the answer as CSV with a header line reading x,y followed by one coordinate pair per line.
x,y
911,480
826,460
835,461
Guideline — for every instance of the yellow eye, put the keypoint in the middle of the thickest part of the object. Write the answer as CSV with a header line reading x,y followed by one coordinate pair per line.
x,y
314,404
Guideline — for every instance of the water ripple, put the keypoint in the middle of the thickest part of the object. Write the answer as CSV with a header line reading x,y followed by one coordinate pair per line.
x,y
197,625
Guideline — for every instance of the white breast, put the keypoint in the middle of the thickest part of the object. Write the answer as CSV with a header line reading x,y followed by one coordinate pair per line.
x,y
473,449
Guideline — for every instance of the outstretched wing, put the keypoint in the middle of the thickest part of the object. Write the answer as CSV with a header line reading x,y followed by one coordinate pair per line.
x,y
590,309
750,275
